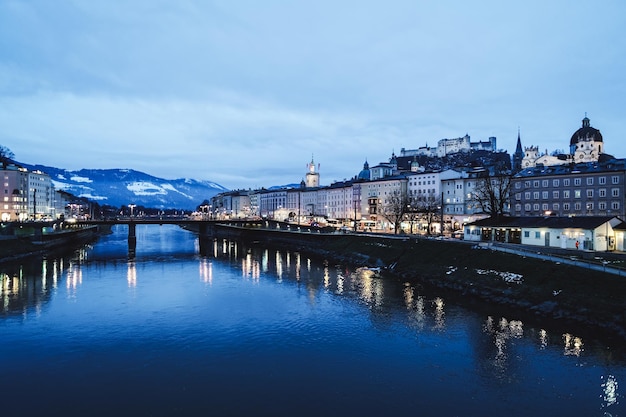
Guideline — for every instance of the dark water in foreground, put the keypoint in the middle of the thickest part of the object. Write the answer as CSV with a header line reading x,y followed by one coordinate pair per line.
x,y
260,332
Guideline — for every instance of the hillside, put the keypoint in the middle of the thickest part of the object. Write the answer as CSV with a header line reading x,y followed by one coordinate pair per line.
x,y
117,187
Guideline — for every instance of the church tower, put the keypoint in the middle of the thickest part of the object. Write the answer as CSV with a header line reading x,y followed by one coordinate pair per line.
x,y
518,156
312,178
586,143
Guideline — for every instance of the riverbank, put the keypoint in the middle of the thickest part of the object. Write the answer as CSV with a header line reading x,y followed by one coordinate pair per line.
x,y
23,245
533,287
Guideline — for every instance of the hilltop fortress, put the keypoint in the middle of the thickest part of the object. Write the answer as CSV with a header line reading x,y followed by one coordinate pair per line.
x,y
450,146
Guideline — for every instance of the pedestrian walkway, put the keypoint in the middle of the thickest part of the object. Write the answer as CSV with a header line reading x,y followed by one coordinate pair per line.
x,y
609,262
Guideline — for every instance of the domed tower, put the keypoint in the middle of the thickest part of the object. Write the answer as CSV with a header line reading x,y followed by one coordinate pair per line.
x,y
586,144
312,178
365,172
415,166
393,161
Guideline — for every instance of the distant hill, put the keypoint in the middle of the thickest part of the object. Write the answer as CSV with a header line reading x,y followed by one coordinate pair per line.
x,y
118,187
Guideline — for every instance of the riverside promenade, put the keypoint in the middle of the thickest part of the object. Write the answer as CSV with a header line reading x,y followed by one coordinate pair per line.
x,y
613,262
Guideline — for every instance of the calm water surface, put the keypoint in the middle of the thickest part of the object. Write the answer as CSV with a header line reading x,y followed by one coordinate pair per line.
x,y
252,331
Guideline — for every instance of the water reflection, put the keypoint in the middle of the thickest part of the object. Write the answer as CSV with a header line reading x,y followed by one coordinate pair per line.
x,y
494,340
415,307
573,345
131,274
440,314
502,332
250,267
23,287
609,391
74,278
206,271
366,285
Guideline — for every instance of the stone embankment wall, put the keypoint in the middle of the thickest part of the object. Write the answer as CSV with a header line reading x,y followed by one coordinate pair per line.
x,y
535,287
16,247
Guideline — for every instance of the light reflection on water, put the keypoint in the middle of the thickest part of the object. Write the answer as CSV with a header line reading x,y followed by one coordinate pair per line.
x,y
267,320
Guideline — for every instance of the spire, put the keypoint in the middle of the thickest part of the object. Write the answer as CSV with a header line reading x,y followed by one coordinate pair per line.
x,y
518,148
586,121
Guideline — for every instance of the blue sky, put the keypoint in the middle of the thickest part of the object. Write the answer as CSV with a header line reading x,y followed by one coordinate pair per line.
x,y
244,92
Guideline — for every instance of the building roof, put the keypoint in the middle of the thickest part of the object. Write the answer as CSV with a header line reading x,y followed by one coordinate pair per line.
x,y
621,226
580,222
610,165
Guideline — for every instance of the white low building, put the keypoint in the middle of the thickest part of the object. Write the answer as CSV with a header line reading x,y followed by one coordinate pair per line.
x,y
588,233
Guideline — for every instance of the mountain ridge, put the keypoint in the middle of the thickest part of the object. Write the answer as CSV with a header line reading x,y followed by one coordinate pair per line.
x,y
122,186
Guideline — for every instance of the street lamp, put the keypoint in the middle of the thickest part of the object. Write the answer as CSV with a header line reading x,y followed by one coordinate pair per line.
x,y
131,207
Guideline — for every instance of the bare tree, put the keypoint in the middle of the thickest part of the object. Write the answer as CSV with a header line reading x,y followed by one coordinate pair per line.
x,y
394,208
427,209
413,213
492,192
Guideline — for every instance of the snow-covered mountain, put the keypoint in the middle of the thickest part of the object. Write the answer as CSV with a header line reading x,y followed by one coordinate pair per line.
x,y
118,187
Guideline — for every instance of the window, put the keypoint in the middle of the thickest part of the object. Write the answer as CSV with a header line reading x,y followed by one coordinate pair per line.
x,y
527,195
536,183
555,207
589,180
576,181
615,192
566,182
536,195
602,205
577,206
576,193
527,184
565,193
589,206
518,185
566,206
589,193
526,233
615,179
555,194
536,207
518,196
544,207
527,206
602,180
544,183
615,205
537,235
544,195
602,192
555,183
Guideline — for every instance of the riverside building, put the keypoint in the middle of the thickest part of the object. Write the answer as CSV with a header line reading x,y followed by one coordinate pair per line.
x,y
26,195
585,182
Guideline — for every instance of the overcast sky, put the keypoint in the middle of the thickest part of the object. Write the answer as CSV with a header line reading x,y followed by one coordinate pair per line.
x,y
243,93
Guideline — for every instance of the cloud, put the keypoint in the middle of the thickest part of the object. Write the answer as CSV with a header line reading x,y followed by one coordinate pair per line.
x,y
244,92
173,137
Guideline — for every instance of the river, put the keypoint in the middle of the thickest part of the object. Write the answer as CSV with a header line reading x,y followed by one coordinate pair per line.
x,y
258,332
